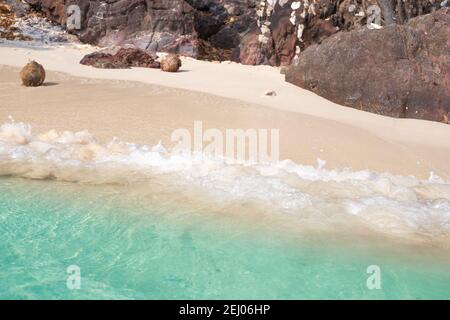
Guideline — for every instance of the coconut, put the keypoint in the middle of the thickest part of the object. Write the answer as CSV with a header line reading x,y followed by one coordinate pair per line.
x,y
33,74
171,63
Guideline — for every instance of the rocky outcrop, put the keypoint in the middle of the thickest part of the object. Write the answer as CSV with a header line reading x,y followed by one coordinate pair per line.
x,y
400,70
154,25
286,28
248,31
124,58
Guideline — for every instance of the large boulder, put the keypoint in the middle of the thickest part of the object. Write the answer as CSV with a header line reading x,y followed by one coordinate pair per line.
x,y
400,70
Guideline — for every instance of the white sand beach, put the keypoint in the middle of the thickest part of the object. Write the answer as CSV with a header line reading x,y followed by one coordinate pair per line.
x,y
146,105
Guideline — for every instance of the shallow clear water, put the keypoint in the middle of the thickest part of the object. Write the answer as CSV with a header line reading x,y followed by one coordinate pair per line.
x,y
130,247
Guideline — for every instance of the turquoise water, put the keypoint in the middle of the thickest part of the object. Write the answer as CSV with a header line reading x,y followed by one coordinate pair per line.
x,y
128,247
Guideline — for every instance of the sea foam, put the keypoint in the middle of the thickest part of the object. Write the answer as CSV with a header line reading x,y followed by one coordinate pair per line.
x,y
385,202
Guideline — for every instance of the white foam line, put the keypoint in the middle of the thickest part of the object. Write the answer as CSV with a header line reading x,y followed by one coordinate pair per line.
x,y
386,202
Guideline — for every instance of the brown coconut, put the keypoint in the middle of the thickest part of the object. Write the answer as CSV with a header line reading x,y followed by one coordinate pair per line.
x,y
171,63
33,74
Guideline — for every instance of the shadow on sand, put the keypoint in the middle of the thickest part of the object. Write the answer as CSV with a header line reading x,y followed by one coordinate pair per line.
x,y
50,84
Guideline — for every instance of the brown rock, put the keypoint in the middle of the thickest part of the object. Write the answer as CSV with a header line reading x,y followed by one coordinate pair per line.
x,y
33,74
4,8
171,63
400,70
124,58
136,58
206,51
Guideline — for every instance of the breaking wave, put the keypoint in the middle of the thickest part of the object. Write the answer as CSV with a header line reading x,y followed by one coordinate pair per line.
x,y
385,202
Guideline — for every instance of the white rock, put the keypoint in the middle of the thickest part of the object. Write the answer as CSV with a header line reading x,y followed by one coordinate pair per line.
x,y
295,5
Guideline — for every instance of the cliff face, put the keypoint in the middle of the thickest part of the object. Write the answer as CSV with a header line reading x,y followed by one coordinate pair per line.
x,y
401,71
384,56
163,25
249,31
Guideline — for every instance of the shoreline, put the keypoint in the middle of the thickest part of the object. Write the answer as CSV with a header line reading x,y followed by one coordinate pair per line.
x,y
377,190
144,113
229,80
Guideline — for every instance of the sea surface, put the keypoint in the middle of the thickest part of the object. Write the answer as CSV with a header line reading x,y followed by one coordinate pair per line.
x,y
82,220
